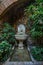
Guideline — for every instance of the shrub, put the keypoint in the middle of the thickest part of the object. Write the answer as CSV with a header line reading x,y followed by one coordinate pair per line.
x,y
5,49
8,33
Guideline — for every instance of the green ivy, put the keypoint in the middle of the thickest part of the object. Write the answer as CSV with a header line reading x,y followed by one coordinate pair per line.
x,y
5,49
39,1
8,33
34,12
37,53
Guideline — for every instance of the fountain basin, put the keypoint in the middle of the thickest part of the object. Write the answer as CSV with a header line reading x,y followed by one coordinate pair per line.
x,y
21,37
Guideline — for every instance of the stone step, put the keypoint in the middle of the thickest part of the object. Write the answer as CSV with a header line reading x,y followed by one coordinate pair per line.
x,y
23,63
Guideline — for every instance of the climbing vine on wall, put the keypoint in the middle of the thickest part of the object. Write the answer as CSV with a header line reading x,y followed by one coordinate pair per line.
x,y
34,12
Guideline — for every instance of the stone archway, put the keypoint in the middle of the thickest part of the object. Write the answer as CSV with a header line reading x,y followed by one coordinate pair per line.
x,y
12,10
5,5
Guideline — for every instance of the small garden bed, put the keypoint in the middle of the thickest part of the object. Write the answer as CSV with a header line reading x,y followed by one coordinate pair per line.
x,y
7,38
37,53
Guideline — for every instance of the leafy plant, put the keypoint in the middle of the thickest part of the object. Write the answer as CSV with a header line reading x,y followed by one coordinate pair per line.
x,y
8,33
37,28
35,19
37,53
39,1
5,49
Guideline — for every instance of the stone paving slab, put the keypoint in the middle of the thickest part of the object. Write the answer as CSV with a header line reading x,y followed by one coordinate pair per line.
x,y
20,55
23,63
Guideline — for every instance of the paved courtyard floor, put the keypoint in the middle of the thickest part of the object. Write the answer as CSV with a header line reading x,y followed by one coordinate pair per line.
x,y
20,55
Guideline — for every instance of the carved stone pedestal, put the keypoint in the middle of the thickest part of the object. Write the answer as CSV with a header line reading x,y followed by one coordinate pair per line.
x,y
20,46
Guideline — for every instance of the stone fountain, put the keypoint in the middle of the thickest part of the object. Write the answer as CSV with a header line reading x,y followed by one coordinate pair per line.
x,y
21,54
21,35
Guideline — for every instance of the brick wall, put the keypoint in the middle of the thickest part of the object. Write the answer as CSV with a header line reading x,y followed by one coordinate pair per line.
x,y
6,3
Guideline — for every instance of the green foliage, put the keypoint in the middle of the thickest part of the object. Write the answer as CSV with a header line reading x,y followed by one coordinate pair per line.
x,y
5,49
37,26
7,36
35,18
29,10
39,1
37,53
8,33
